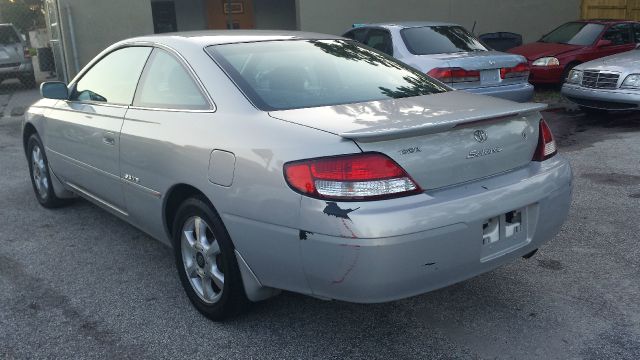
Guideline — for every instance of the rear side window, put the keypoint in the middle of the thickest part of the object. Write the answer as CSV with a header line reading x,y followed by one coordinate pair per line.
x,y
440,40
166,84
636,32
113,79
8,35
357,34
619,34
380,40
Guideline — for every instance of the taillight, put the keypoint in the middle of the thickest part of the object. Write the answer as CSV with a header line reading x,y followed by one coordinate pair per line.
x,y
366,176
454,75
520,70
27,53
546,144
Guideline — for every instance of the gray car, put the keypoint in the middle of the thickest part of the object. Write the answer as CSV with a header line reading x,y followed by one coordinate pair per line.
x,y
15,59
451,54
296,161
611,83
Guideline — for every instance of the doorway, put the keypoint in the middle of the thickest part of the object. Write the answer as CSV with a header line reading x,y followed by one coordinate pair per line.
x,y
226,14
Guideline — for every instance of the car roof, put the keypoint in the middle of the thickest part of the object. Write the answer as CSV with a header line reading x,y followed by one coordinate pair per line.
x,y
409,24
217,37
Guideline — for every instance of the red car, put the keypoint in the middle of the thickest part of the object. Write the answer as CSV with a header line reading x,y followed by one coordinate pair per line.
x,y
555,54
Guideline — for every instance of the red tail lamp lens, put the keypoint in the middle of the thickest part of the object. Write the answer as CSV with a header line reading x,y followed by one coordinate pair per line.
x,y
546,144
350,177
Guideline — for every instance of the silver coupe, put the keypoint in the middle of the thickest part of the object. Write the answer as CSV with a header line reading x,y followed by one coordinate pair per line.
x,y
295,161
611,83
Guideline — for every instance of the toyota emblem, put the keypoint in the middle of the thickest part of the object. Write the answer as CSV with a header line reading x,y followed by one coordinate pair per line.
x,y
480,136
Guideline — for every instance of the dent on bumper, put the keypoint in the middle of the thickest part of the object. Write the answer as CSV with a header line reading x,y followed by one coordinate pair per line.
x,y
441,241
618,99
516,92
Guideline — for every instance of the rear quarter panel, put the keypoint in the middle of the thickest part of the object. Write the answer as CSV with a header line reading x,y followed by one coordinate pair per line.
x,y
259,210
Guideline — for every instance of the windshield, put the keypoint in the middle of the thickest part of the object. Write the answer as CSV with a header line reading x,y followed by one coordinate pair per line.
x,y
574,33
439,40
8,35
281,75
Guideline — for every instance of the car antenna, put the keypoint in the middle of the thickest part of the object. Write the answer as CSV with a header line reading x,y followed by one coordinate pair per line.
x,y
473,29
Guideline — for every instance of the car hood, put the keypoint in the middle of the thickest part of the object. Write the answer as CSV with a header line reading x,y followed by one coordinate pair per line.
x,y
627,62
538,50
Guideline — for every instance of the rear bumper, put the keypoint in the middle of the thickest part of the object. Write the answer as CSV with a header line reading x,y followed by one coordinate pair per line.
x,y
439,239
546,74
521,92
602,99
14,71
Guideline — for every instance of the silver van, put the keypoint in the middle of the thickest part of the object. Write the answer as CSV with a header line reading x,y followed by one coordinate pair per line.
x,y
15,59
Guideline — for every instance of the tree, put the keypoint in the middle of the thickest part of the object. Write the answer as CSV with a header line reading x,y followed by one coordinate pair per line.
x,y
24,14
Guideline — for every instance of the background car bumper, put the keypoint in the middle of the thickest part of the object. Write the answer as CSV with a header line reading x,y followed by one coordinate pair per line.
x,y
20,69
522,92
441,241
602,99
546,74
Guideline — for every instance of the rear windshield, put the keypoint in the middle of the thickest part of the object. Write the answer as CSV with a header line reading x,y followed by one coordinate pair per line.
x,y
8,35
439,40
574,33
281,75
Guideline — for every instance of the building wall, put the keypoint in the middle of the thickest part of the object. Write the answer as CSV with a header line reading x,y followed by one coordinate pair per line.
x,y
98,24
190,15
531,18
275,14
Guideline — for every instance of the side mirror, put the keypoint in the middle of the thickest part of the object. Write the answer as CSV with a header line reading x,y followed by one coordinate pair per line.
x,y
637,46
54,90
603,43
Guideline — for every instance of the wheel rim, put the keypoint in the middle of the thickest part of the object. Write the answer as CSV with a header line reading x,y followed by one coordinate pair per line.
x,y
39,172
202,260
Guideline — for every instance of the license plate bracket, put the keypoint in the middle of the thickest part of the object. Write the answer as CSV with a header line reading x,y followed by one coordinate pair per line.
x,y
503,234
490,77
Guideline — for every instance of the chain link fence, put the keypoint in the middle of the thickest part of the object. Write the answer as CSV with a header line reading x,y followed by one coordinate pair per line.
x,y
26,53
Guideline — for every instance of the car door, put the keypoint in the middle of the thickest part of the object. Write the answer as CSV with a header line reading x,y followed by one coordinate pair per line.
x,y
83,133
157,143
636,33
621,37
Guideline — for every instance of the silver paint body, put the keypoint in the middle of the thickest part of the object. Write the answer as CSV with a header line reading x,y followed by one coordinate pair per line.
x,y
128,160
512,89
12,60
625,64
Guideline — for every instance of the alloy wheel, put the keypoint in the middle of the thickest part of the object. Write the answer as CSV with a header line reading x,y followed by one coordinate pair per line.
x,y
202,259
39,172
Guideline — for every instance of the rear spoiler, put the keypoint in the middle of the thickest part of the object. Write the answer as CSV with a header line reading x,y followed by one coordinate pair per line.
x,y
445,122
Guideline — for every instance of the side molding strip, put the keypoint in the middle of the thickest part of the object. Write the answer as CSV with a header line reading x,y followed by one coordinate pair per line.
x,y
96,199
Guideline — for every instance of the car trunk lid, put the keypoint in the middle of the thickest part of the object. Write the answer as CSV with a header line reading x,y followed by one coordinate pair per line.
x,y
440,140
488,63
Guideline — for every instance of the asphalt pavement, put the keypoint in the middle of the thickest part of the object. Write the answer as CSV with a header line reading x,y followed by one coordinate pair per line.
x,y
79,283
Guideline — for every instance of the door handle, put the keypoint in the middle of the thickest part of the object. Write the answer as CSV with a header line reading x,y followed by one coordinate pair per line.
x,y
107,139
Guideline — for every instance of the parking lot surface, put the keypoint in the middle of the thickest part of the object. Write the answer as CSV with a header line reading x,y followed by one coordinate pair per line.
x,y
79,283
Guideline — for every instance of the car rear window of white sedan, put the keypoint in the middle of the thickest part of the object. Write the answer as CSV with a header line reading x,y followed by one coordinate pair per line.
x,y
281,75
427,40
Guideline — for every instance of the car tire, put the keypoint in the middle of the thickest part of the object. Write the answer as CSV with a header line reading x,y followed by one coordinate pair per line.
x,y
206,261
29,81
40,174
